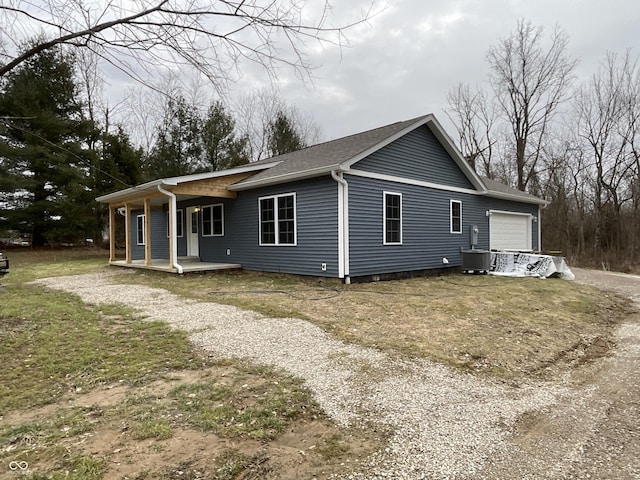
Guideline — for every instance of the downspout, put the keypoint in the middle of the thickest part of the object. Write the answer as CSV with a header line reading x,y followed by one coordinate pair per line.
x,y
343,224
174,228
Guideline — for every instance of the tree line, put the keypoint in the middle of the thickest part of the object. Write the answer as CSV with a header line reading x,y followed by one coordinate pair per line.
x,y
57,152
533,126
574,143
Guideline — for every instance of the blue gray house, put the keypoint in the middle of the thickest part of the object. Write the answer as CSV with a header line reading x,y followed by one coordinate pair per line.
x,y
399,198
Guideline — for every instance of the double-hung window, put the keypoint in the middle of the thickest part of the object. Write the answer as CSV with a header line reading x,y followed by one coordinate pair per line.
x,y
278,219
456,216
179,223
392,218
213,220
140,233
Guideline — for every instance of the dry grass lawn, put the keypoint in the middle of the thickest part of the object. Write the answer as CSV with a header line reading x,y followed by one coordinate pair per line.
x,y
91,393
510,327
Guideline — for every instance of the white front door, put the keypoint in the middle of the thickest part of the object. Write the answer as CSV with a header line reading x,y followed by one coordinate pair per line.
x,y
192,232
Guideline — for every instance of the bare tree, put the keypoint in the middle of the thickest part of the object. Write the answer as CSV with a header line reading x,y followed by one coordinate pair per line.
x,y
212,36
474,117
254,113
143,110
603,110
530,81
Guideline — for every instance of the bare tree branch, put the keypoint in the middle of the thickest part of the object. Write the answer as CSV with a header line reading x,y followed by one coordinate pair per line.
x,y
212,36
530,82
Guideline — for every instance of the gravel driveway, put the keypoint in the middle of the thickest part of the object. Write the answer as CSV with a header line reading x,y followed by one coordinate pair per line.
x,y
444,424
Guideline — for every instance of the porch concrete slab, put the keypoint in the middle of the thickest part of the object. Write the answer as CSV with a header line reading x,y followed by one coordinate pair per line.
x,y
188,266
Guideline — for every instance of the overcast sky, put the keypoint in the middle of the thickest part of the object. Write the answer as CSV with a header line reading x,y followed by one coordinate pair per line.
x,y
411,54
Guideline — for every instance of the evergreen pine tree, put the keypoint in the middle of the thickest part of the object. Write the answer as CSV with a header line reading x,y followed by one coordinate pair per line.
x,y
45,163
222,149
283,136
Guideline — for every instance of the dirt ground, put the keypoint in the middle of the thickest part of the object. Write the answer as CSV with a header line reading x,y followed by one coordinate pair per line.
x,y
312,447
597,437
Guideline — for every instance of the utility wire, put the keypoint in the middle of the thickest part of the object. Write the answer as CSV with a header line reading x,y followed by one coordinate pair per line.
x,y
84,161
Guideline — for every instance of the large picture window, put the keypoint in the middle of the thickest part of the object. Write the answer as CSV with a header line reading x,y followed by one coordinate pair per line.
x,y
140,230
213,220
456,216
179,223
278,219
392,218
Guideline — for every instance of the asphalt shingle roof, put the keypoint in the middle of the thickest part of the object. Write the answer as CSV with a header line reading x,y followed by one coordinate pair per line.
x,y
494,186
324,156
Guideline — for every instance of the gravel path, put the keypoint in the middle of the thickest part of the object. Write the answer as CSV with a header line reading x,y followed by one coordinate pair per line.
x,y
444,424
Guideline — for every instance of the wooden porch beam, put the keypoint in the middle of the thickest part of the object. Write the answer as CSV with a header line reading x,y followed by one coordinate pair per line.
x,y
211,187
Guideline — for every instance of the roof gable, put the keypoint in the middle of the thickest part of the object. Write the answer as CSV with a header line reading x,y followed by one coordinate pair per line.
x,y
417,155
343,153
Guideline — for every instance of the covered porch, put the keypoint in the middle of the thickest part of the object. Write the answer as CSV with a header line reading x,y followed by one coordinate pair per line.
x,y
163,195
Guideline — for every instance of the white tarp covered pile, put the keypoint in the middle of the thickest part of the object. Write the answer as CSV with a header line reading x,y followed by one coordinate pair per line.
x,y
512,264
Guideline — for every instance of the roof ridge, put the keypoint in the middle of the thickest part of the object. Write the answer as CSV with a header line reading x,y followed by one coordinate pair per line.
x,y
345,137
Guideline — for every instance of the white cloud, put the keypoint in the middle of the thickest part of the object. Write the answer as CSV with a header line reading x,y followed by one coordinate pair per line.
x,y
405,59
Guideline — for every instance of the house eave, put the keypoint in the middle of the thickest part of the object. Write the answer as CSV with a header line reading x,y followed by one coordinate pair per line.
x,y
285,178
516,198
152,187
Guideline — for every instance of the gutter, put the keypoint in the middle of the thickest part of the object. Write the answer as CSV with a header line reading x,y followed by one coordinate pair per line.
x,y
531,200
174,228
282,178
343,225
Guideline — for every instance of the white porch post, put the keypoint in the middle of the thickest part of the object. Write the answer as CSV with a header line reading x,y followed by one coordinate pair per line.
x,y
112,233
127,229
147,231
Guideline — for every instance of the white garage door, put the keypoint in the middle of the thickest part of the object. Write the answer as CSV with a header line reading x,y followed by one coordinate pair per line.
x,y
509,231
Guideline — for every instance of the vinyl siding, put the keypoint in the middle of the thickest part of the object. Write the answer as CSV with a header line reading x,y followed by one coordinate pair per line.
x,y
419,156
316,225
159,240
426,236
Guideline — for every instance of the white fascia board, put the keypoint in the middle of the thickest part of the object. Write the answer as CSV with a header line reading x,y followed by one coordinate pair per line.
x,y
218,173
409,181
287,177
152,186
447,188
516,198
131,191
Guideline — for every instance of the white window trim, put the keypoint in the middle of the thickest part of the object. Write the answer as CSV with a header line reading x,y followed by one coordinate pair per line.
x,y
275,219
384,218
138,229
221,205
451,230
178,213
